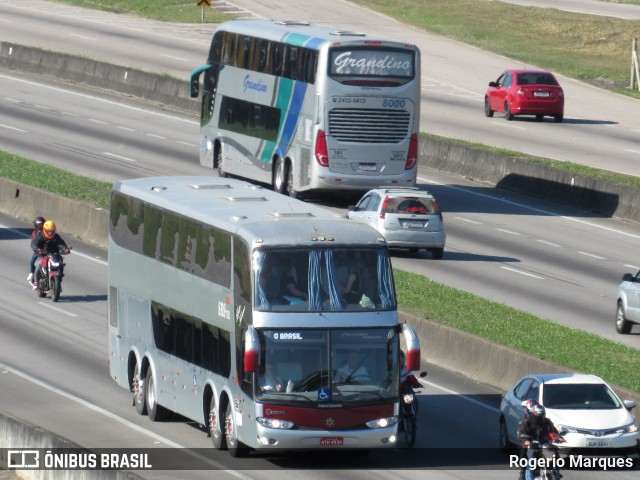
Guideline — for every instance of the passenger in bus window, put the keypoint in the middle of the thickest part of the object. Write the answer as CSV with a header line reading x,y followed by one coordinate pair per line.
x,y
292,289
270,284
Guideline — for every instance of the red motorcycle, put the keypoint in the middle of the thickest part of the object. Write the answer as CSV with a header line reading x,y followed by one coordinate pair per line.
x,y
49,273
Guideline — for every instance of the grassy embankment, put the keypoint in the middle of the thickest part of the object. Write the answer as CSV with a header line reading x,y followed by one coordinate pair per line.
x,y
599,53
419,295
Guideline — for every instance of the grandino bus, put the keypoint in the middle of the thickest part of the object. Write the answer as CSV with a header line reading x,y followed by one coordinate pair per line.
x,y
198,324
304,107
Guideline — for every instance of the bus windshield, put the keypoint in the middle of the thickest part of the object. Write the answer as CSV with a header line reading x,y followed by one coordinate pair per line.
x,y
341,365
303,280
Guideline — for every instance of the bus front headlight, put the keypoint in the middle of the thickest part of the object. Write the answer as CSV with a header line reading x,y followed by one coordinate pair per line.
x,y
382,422
275,423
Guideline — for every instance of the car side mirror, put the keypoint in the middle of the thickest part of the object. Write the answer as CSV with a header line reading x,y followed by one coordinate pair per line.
x,y
493,84
627,277
629,404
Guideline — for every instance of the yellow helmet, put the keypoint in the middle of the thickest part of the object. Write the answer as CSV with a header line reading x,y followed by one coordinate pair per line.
x,y
49,229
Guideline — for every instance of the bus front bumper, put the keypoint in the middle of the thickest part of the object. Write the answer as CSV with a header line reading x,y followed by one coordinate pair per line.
x,y
270,438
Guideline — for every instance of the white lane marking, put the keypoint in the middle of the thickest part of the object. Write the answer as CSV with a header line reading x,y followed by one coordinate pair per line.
x,y
534,209
458,394
118,156
83,37
28,236
126,128
122,421
95,120
9,127
502,124
468,220
632,266
510,232
546,242
175,58
187,143
522,273
631,150
98,99
592,255
59,310
154,135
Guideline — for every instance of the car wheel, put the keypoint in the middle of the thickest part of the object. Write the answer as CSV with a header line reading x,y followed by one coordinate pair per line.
x,y
505,444
558,118
623,325
487,108
437,253
507,111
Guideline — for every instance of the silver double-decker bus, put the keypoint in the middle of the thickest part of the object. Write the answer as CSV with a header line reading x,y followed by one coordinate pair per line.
x,y
305,108
269,321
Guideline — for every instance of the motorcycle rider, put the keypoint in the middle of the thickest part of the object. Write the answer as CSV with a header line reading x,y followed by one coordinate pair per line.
x,y
408,380
49,241
38,222
537,426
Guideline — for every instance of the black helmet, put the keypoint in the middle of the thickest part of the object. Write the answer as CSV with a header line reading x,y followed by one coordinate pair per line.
x,y
538,412
38,223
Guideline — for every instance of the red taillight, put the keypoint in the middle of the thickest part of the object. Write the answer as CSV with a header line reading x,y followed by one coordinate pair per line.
x,y
321,149
437,209
412,156
383,210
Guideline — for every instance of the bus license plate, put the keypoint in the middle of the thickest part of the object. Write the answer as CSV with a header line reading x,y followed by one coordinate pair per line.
x,y
368,167
331,441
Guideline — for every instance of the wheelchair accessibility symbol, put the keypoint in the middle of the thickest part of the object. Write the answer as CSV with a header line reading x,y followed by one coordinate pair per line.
x,y
324,394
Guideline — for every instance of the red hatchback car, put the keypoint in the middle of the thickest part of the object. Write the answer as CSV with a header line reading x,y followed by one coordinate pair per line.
x,y
525,92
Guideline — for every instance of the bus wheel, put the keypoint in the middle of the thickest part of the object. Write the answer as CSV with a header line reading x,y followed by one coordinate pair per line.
x,y
235,447
218,162
155,411
279,179
214,426
137,389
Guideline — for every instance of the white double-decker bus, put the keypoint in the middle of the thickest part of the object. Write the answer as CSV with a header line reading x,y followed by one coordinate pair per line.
x,y
269,321
303,107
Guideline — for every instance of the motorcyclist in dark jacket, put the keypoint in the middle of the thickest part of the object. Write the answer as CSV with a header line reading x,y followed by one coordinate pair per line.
x,y
49,241
538,427
38,223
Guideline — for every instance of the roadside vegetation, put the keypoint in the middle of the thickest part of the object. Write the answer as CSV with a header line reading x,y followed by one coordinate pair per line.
x,y
164,10
418,295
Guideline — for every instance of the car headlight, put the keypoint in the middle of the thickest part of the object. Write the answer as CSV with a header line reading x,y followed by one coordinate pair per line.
x,y
275,423
382,422
566,429
631,428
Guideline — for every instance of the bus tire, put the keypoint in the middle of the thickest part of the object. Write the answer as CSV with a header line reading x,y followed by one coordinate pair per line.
x,y
217,438
137,390
279,176
218,161
154,411
235,447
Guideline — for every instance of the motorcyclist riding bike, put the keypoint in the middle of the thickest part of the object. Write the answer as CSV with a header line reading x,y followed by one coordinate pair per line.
x,y
38,223
537,426
48,241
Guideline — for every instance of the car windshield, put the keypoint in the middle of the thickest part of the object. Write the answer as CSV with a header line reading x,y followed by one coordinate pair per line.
x,y
579,396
